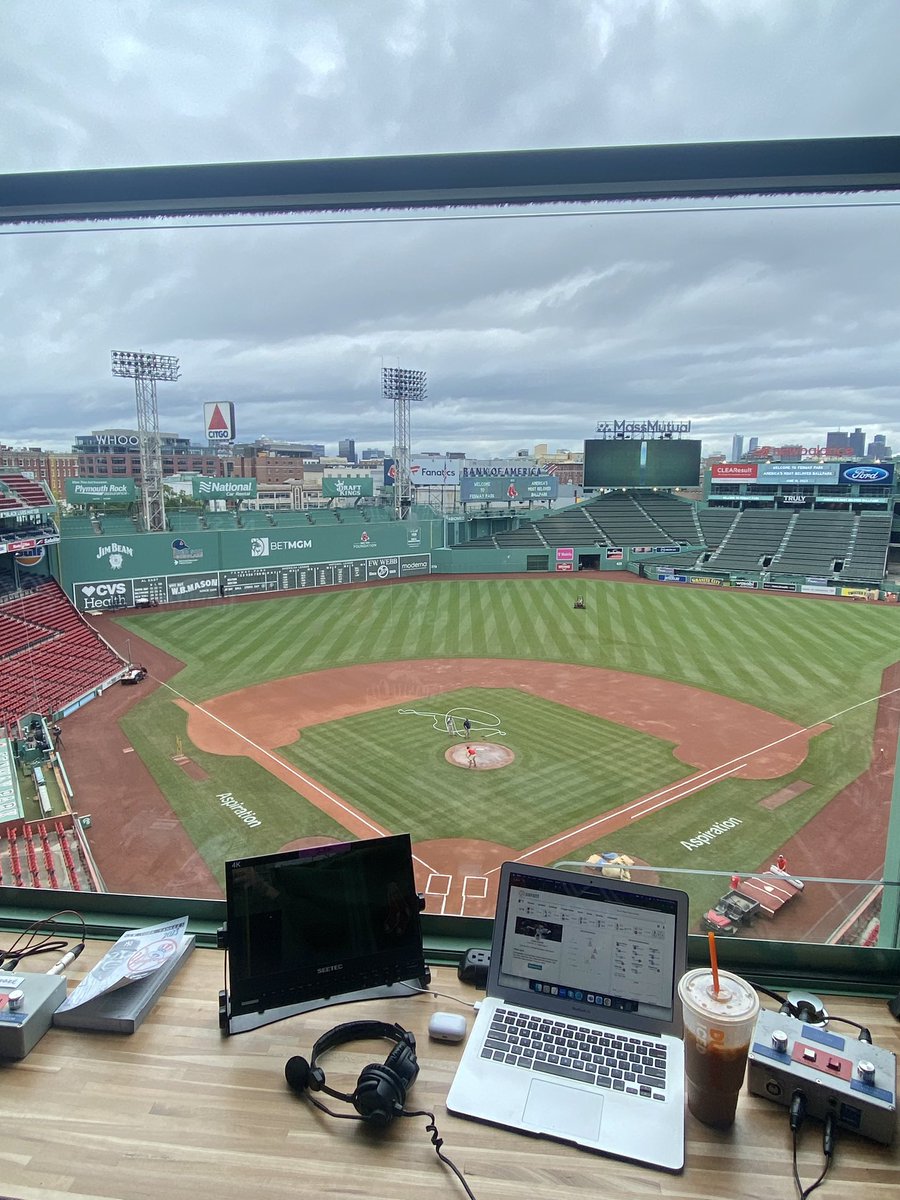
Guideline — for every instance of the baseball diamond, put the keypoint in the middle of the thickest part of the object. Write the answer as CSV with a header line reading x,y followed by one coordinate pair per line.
x,y
662,717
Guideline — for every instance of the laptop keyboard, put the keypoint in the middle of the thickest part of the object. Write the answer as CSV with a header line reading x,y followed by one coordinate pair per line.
x,y
553,1046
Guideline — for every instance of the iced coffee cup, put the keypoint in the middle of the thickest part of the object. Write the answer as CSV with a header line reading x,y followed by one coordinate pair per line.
x,y
718,1027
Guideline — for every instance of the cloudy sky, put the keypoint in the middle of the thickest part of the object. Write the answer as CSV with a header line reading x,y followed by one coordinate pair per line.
x,y
778,322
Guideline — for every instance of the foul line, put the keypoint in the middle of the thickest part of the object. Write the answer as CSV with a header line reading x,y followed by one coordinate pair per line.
x,y
687,792
285,766
734,763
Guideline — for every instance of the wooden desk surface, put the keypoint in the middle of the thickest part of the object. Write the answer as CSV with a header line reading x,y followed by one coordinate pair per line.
x,y
177,1112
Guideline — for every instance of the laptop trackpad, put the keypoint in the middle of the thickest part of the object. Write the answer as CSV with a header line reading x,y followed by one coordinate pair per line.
x,y
569,1112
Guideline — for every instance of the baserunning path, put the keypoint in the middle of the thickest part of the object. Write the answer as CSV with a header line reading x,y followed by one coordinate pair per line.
x,y
713,733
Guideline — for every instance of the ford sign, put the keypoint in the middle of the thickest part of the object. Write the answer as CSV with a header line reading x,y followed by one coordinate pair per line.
x,y
867,474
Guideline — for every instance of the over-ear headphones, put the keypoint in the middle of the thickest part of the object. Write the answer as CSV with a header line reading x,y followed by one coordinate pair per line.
x,y
380,1092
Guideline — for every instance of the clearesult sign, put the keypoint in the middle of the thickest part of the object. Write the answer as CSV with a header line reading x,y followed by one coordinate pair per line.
x,y
100,491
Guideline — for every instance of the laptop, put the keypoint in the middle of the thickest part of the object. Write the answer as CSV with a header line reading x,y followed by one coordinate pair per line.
x,y
579,1037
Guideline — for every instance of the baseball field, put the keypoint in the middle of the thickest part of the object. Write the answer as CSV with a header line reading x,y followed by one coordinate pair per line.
x,y
690,729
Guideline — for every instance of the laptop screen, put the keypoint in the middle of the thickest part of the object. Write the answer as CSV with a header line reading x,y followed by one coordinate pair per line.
x,y
611,951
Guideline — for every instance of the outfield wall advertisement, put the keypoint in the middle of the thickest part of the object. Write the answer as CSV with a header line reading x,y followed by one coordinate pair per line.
x,y
163,568
173,589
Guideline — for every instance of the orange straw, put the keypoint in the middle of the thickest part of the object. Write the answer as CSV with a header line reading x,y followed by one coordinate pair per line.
x,y
714,961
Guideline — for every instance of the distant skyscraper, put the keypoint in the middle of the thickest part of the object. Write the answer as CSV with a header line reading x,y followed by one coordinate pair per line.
x,y
372,453
347,449
737,447
878,447
840,439
752,445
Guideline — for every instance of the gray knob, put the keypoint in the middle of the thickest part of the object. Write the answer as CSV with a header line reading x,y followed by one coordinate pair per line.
x,y
866,1070
779,1041
15,999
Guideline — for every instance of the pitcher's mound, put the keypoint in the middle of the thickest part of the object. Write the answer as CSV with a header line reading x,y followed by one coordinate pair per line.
x,y
488,756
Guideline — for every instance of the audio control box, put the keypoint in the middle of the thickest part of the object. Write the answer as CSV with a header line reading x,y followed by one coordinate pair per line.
x,y
853,1080
28,1001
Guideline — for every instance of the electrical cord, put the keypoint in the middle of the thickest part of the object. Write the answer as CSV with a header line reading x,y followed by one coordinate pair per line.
x,y
437,1141
13,955
797,1115
864,1033
432,992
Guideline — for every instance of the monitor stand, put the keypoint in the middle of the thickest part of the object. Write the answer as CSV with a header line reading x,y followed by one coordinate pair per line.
x,y
230,1024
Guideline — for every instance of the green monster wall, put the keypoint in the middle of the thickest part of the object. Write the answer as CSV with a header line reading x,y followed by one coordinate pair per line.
x,y
121,571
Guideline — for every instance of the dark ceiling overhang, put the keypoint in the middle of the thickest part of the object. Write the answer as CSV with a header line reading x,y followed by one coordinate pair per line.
x,y
813,166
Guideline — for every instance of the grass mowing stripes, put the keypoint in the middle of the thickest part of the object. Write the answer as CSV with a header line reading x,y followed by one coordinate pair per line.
x,y
155,726
803,659
786,655
569,767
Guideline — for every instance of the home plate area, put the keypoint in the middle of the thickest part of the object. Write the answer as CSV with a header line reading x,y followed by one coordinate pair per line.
x,y
487,757
438,887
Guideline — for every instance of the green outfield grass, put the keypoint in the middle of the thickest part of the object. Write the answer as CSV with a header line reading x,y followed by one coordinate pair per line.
x,y
568,768
807,660
157,727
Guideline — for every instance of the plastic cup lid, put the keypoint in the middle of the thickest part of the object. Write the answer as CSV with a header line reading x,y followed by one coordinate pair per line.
x,y
735,1001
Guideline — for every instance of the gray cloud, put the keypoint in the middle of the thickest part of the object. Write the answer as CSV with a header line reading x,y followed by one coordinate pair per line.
x,y
778,322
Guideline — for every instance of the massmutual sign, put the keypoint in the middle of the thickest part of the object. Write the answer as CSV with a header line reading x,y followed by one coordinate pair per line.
x,y
100,491
223,489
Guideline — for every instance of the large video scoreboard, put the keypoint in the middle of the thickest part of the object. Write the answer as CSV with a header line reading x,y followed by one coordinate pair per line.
x,y
641,462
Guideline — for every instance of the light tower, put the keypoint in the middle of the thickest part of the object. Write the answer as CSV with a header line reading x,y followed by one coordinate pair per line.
x,y
145,369
402,387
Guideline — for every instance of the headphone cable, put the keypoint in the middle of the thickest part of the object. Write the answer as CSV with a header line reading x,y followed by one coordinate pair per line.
x,y
437,1141
797,1116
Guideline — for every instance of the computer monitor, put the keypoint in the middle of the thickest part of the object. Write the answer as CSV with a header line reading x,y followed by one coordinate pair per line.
x,y
320,925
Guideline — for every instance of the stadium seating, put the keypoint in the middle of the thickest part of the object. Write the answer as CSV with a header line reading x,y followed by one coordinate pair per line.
x,y
118,524
868,551
715,524
624,522
78,526
35,855
752,540
620,519
50,655
815,541
678,518
24,493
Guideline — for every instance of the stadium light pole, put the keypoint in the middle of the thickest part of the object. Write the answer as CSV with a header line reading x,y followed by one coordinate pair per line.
x,y
145,370
402,387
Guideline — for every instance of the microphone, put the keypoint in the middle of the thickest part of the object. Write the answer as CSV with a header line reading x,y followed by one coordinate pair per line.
x,y
296,1072
302,1078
